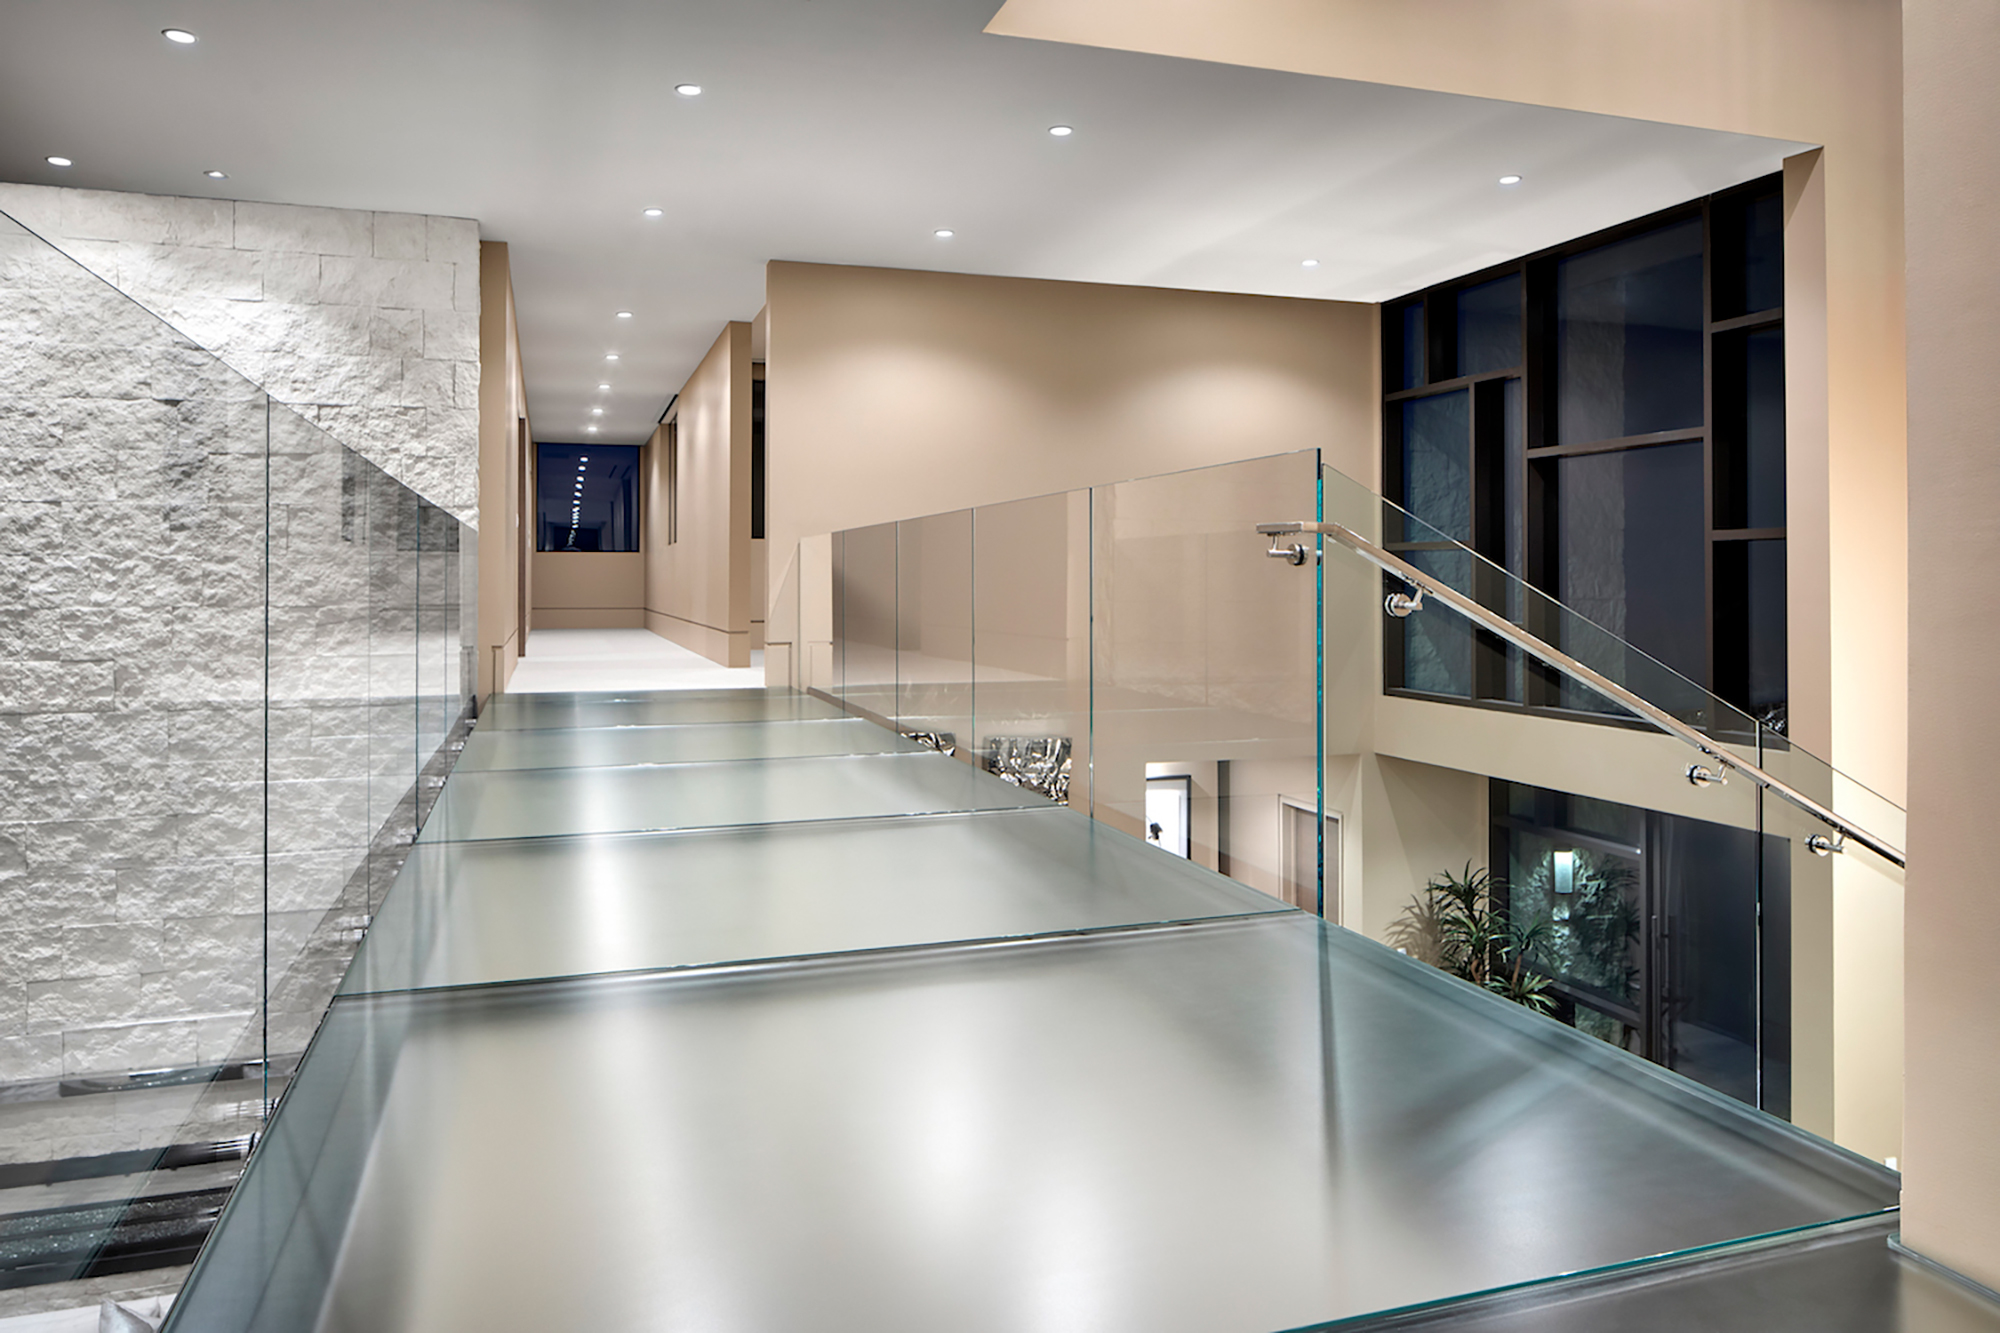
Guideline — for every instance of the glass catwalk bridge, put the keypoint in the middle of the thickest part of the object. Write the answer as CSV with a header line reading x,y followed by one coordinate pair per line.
x,y
733,1012
900,1001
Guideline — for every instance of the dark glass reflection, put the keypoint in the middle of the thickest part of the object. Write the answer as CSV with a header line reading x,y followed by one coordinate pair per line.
x,y
1489,326
1769,687
587,497
1629,329
1632,554
1764,429
1413,345
1437,464
1437,648
1763,223
1649,929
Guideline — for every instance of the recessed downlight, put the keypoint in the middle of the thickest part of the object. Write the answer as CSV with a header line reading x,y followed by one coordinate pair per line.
x,y
597,411
624,314
944,233
591,429
688,89
215,175
1510,180
611,356
1308,263
604,388
56,161
652,212
1062,131
584,459
179,36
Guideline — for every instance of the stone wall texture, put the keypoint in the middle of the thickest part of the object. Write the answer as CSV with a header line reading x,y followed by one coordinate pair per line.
x,y
365,323
185,822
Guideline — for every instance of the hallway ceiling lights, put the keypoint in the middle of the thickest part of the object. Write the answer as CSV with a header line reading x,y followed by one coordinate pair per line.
x,y
944,233
1308,263
688,89
604,388
215,175
1061,131
652,212
597,411
179,36
624,314
611,356
591,429
1510,180
60,162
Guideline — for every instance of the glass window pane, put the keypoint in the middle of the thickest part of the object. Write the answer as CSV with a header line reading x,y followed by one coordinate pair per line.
x,y
1768,667
1763,254
1437,648
1437,464
1489,326
1412,316
1764,429
1709,1008
1633,557
1629,330
587,497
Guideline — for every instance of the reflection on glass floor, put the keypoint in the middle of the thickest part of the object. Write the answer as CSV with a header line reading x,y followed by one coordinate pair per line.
x,y
907,1093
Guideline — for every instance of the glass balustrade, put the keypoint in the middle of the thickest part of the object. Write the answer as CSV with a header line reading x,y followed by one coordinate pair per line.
x,y
236,656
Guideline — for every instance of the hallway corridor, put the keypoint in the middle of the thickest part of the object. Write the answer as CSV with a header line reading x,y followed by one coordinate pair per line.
x,y
718,1010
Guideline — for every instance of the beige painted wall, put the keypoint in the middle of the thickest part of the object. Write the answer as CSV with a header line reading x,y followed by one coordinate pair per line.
x,y
697,589
1951,1194
894,394
589,590
1800,70
503,408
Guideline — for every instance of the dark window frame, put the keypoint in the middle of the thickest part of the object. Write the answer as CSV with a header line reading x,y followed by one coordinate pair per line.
x,y
1726,608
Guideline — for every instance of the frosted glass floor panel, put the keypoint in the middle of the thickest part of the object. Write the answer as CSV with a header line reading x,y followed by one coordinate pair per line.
x,y
1249,1125
543,802
587,747
466,913
651,708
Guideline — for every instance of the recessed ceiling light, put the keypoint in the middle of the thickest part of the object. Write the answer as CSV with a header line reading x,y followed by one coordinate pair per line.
x,y
179,36
611,356
1510,180
60,162
597,411
653,212
584,459
216,175
603,388
1061,131
624,314
1308,263
942,233
591,429
688,89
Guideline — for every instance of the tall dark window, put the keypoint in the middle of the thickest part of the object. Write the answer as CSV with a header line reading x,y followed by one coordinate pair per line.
x,y
1665,935
587,497
1606,421
757,455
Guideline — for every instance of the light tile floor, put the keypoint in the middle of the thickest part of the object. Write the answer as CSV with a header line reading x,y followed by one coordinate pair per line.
x,y
561,660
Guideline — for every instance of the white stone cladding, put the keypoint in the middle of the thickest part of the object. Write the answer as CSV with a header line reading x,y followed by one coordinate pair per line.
x,y
366,323
135,911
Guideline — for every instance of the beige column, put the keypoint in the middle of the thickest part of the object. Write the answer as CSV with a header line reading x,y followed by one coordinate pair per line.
x,y
1951,1183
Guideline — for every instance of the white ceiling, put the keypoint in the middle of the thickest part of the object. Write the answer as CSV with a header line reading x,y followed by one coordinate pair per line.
x,y
839,131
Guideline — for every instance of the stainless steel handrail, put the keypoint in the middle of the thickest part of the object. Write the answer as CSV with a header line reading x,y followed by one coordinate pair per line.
x,y
1500,626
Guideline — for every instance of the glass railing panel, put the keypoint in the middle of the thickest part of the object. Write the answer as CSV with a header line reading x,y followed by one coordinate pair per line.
x,y
1031,635
131,736
868,585
663,708
1205,701
934,632
1270,1123
393,763
478,913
